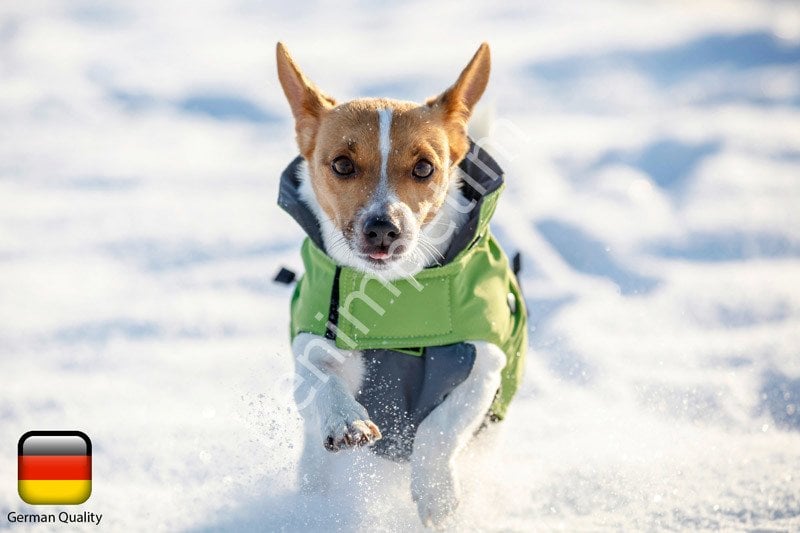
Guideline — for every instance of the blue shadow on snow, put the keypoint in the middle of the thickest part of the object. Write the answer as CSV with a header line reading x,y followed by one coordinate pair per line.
x,y
159,256
671,65
728,246
218,106
586,254
668,162
226,107
102,331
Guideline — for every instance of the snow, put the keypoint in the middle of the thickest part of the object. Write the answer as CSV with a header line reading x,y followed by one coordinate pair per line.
x,y
652,153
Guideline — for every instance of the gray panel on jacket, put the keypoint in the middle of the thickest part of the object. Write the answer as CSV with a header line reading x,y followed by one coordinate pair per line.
x,y
400,390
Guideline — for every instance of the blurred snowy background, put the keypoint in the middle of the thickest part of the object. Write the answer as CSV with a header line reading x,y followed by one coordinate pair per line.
x,y
654,190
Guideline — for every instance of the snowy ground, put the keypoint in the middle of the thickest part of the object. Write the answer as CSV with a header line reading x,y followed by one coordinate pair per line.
x,y
653,161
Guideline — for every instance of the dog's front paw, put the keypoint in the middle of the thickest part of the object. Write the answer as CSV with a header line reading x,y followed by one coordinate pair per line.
x,y
349,430
435,490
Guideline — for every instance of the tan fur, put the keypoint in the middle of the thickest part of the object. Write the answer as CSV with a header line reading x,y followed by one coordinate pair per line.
x,y
420,133
435,131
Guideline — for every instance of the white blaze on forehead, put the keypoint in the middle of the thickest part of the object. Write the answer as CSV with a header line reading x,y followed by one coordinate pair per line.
x,y
384,140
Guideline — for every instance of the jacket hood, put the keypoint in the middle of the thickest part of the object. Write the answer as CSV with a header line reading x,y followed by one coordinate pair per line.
x,y
483,176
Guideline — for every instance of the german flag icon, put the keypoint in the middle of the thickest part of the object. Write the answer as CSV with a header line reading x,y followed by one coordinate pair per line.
x,y
55,467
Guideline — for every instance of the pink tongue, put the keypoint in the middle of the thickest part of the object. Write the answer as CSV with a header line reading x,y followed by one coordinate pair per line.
x,y
379,255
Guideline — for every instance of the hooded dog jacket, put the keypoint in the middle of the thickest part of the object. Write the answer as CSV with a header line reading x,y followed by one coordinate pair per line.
x,y
414,332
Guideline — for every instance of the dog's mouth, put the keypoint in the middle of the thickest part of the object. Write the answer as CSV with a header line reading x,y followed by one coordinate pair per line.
x,y
379,256
383,255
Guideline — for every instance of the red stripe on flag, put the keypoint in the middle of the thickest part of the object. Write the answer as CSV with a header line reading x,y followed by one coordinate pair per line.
x,y
55,467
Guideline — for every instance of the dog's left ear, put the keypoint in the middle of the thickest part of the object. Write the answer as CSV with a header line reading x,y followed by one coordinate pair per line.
x,y
458,101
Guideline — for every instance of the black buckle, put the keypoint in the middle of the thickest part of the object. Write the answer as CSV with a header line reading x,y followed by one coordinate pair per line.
x,y
285,276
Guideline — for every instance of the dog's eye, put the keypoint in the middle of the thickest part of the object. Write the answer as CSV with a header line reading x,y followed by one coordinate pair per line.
x,y
423,169
343,166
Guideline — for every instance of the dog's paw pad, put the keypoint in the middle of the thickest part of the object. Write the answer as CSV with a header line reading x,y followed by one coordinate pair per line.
x,y
351,434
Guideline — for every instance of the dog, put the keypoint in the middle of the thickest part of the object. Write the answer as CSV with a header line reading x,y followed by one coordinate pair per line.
x,y
408,326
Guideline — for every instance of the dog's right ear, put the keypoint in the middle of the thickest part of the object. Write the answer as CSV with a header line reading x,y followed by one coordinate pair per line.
x,y
307,102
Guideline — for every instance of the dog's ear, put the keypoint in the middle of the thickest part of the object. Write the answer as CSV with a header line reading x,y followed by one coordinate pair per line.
x,y
458,101
307,102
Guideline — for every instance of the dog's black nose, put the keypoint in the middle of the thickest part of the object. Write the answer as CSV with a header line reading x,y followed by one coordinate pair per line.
x,y
379,231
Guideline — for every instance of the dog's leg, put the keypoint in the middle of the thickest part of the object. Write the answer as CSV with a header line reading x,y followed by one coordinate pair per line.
x,y
327,379
444,432
313,469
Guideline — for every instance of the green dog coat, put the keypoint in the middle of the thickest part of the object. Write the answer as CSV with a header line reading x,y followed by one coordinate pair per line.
x,y
414,332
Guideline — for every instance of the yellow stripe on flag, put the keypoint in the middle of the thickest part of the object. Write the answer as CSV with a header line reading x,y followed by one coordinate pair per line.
x,y
55,491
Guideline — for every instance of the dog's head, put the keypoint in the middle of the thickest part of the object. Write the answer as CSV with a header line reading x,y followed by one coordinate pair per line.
x,y
380,169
